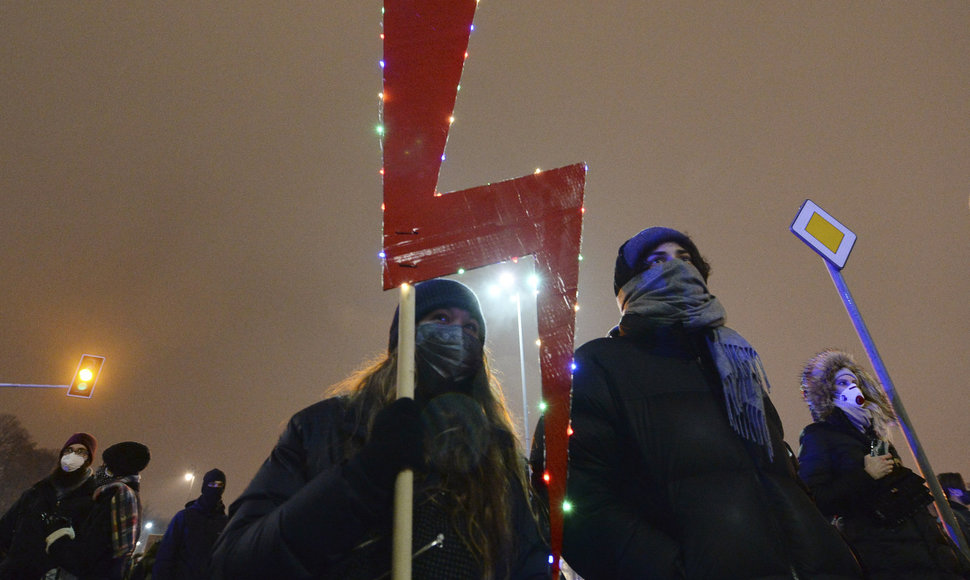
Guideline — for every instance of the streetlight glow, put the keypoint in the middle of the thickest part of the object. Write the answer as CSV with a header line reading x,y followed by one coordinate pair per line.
x,y
190,478
506,280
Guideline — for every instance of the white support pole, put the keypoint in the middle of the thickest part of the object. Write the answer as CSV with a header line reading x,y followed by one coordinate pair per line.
x,y
923,464
404,485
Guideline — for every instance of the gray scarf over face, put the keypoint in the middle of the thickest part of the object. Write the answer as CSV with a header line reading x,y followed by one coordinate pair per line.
x,y
675,295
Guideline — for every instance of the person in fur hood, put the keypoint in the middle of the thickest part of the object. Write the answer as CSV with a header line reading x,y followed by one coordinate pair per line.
x,y
851,466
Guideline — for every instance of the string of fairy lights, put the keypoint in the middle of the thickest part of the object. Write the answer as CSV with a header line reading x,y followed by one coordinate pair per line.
x,y
381,132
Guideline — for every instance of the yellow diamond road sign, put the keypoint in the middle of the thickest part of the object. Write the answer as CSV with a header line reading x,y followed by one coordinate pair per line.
x,y
832,240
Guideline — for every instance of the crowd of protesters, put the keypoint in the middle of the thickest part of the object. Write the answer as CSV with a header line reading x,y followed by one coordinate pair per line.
x,y
678,466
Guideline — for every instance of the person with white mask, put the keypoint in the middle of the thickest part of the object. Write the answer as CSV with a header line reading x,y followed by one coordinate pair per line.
x,y
66,492
848,461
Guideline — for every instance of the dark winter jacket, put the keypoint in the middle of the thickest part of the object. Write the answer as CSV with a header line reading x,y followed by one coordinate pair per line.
x,y
92,554
185,550
308,508
22,534
831,462
662,487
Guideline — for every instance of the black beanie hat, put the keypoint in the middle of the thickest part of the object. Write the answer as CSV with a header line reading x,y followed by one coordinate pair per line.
x,y
126,458
213,475
440,293
85,439
632,252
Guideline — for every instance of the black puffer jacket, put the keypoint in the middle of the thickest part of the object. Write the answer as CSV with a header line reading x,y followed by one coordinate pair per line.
x,y
22,545
662,486
308,508
831,462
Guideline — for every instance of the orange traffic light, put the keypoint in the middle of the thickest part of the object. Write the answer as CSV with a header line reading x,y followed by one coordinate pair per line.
x,y
85,376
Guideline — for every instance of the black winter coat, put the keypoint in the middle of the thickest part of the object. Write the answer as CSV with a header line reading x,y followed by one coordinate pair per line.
x,y
185,549
308,507
90,555
662,486
22,534
831,462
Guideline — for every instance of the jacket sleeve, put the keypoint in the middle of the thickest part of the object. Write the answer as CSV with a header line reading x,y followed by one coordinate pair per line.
x,y
167,554
603,536
293,520
835,489
90,549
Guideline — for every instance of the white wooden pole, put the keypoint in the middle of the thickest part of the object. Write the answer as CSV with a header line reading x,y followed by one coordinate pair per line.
x,y
404,485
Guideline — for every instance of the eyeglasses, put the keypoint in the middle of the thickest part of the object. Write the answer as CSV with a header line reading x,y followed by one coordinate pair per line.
x,y
80,450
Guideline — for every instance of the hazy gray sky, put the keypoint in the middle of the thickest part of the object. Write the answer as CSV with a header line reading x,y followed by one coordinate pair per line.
x,y
193,192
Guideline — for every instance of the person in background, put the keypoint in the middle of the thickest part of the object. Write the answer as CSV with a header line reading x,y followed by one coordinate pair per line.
x,y
321,505
857,479
101,545
678,466
186,548
956,495
65,492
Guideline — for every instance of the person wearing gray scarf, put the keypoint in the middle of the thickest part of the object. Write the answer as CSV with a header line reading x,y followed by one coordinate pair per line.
x,y
678,466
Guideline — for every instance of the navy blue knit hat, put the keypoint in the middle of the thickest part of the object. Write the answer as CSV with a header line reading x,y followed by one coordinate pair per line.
x,y
440,293
629,259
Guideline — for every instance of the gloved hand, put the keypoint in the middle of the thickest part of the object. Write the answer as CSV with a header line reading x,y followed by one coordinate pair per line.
x,y
396,441
56,527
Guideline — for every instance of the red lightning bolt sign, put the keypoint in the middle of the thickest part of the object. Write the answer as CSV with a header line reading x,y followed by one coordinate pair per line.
x,y
427,234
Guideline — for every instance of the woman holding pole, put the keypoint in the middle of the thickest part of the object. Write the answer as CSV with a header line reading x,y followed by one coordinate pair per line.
x,y
321,505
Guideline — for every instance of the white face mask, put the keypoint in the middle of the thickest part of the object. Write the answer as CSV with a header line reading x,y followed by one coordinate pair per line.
x,y
71,462
850,397
851,401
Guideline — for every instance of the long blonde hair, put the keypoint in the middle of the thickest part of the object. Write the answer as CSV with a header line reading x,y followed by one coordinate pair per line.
x,y
486,494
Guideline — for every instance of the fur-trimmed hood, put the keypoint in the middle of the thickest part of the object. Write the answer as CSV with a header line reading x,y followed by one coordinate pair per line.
x,y
818,386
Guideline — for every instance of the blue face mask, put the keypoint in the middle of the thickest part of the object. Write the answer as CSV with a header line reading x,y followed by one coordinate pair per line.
x,y
450,353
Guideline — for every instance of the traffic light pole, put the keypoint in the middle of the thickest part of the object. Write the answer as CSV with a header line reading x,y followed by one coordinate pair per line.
x,y
82,385
34,386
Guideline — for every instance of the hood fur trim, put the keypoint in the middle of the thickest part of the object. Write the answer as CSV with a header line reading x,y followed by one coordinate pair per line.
x,y
818,385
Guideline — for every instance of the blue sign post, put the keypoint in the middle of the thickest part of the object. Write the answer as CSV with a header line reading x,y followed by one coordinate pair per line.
x,y
833,241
